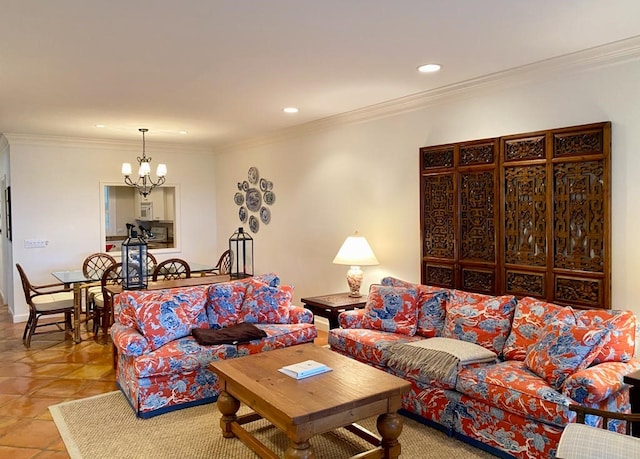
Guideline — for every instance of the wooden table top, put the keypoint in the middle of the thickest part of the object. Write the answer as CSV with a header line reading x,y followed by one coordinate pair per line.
x,y
349,385
192,281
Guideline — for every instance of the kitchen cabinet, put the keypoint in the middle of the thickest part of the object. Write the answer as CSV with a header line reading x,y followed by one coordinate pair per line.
x,y
152,207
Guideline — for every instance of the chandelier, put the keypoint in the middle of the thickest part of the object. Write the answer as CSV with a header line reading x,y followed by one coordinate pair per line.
x,y
145,183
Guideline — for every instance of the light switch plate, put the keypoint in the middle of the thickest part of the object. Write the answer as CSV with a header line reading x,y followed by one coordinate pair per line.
x,y
35,243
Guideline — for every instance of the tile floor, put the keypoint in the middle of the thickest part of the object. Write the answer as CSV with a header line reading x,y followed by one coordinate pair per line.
x,y
53,370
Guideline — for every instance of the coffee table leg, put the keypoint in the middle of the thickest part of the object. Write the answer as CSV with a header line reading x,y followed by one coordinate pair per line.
x,y
390,426
299,450
228,406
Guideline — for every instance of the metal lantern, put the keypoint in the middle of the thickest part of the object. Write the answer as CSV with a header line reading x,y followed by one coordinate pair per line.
x,y
134,261
241,247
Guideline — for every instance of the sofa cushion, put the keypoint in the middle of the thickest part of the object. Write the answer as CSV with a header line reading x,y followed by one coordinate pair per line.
x,y
431,306
562,350
514,388
480,319
223,303
264,304
185,354
391,309
366,345
621,341
166,315
530,317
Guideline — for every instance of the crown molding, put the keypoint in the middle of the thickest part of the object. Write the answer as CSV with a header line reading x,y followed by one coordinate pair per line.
x,y
98,144
616,53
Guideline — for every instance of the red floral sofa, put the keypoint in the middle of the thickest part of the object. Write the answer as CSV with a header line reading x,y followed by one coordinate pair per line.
x,y
517,406
160,365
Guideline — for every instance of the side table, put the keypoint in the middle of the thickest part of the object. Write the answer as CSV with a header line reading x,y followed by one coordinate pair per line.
x,y
633,379
330,306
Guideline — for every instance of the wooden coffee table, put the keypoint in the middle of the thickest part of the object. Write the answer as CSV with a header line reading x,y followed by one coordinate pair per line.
x,y
352,391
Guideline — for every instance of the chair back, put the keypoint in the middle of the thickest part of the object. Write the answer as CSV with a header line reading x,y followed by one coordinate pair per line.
x,y
173,268
96,264
112,275
152,263
224,263
26,285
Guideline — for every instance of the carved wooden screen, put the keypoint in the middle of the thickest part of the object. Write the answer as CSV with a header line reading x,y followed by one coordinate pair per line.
x,y
526,214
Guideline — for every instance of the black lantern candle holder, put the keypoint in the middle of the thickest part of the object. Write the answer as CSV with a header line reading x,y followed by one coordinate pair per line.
x,y
134,261
241,247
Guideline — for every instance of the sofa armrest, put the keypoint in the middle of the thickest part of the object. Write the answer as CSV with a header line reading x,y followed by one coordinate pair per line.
x,y
129,341
595,384
300,315
351,319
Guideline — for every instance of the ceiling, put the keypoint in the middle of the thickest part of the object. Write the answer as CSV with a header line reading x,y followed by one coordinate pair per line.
x,y
222,70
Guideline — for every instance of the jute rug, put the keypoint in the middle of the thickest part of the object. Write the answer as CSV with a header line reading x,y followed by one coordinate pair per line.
x,y
105,427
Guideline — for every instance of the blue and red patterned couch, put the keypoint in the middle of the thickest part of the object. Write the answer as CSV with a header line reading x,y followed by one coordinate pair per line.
x,y
517,406
160,365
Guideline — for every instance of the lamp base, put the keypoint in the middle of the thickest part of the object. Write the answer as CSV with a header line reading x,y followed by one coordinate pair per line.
x,y
354,279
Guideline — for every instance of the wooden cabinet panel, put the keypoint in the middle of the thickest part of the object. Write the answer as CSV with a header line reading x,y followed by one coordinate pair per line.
x,y
525,214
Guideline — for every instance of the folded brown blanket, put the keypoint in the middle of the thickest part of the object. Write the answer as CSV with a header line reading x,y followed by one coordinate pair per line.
x,y
235,334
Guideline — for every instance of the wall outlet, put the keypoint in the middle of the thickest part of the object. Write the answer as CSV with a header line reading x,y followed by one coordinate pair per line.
x,y
35,243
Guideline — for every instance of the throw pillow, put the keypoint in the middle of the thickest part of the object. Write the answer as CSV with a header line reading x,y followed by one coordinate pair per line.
x,y
530,318
224,302
431,306
264,304
562,350
391,309
166,315
622,337
481,319
235,334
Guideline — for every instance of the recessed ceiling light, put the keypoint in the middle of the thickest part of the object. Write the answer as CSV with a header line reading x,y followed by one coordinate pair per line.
x,y
99,125
290,110
182,132
429,68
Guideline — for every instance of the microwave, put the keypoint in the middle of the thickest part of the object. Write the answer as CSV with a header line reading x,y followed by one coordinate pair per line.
x,y
146,211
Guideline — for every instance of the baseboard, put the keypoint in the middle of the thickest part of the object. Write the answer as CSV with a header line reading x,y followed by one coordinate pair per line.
x,y
321,323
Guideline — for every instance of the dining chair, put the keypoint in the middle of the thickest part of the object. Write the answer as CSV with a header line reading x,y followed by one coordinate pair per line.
x,y
579,441
173,268
152,263
104,301
93,268
45,300
224,263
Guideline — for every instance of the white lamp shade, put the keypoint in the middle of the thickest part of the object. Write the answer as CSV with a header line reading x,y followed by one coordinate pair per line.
x,y
355,252
126,168
161,171
145,169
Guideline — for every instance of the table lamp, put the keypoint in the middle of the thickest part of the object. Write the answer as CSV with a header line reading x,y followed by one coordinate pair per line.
x,y
355,252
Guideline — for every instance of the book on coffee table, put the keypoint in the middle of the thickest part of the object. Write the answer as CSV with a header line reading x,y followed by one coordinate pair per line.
x,y
304,369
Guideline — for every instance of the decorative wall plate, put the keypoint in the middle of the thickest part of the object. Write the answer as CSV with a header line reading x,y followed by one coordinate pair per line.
x,y
243,214
265,215
253,175
263,184
269,197
245,185
254,224
254,199
238,198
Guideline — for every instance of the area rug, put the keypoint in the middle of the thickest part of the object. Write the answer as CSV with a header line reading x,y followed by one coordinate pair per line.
x,y
105,427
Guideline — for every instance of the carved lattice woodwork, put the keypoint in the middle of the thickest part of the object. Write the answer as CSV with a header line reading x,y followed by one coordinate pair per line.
x,y
439,237
525,222
526,214
477,232
579,215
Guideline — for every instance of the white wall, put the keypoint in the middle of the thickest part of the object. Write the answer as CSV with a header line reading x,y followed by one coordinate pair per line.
x,y
364,174
55,187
